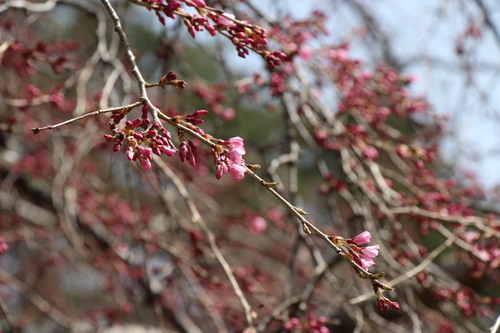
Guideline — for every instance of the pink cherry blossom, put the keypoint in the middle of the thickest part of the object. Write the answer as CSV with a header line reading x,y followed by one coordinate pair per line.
x,y
236,149
258,224
3,245
237,171
231,161
370,152
367,255
362,238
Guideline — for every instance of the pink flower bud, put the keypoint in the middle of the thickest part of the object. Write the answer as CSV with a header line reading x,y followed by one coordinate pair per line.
x,y
167,150
258,224
191,160
170,76
195,121
227,114
179,83
130,154
198,3
156,151
146,164
183,151
136,123
370,152
198,113
152,133
3,246
218,171
145,110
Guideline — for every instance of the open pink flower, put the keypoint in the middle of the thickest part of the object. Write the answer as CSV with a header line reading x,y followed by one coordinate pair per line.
x,y
362,238
231,161
367,254
362,255
236,149
237,171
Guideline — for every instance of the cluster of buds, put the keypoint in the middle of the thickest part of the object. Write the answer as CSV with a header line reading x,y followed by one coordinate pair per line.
x,y
230,160
273,59
383,303
167,7
170,79
157,138
187,149
197,23
312,325
363,256
243,35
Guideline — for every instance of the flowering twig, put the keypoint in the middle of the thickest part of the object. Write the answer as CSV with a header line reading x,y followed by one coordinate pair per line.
x,y
227,156
332,241
227,159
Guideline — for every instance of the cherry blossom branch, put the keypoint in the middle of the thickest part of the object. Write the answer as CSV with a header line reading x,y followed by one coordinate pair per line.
x,y
243,35
412,272
179,123
131,58
310,228
124,108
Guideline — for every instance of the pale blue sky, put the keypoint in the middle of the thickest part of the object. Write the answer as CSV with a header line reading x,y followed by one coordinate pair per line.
x,y
427,30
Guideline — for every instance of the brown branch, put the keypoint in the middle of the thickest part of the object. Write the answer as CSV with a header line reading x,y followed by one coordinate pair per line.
x,y
474,221
38,301
198,219
37,130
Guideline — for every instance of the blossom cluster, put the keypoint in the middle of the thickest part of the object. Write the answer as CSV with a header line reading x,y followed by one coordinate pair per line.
x,y
141,144
363,256
312,325
143,138
230,160
245,37
384,304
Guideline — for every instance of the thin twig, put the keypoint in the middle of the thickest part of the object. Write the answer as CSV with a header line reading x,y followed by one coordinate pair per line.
x,y
37,130
474,221
39,302
198,219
